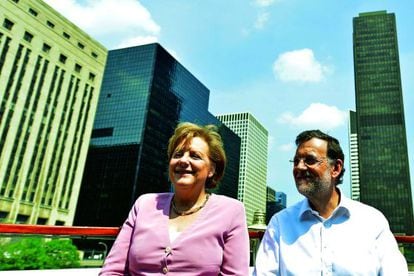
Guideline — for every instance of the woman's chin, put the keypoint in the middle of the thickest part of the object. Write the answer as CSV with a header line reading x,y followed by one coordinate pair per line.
x,y
183,184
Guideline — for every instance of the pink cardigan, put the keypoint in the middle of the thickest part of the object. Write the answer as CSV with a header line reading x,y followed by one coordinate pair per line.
x,y
217,243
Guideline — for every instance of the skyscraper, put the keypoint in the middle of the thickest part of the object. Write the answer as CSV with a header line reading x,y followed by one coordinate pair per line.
x,y
281,198
50,77
145,93
253,160
382,146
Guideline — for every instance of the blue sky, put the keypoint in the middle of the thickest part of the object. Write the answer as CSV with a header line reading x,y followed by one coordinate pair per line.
x,y
288,62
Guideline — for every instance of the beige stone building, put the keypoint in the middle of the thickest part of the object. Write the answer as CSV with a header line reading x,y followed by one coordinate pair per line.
x,y
50,78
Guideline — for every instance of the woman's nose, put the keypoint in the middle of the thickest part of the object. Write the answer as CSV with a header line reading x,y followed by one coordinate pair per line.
x,y
183,159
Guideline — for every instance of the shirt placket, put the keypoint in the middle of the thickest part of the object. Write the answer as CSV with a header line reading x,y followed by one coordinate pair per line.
x,y
326,254
167,254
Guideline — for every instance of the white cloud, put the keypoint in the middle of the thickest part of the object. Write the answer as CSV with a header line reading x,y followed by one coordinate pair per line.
x,y
139,40
119,19
299,65
263,15
174,54
261,20
317,115
264,3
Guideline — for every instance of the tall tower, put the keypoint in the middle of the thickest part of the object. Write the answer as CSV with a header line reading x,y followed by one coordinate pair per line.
x,y
383,157
50,77
353,155
145,94
253,160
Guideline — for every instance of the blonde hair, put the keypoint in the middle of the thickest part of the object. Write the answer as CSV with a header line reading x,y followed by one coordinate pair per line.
x,y
182,137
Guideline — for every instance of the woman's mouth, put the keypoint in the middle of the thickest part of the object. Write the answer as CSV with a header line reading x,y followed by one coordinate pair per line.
x,y
183,172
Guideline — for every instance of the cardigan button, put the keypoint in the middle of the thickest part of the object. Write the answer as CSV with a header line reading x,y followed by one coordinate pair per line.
x,y
168,249
165,270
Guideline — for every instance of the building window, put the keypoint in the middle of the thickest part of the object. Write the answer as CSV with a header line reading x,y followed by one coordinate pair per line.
x,y
28,36
50,24
3,216
78,68
62,58
66,35
95,55
80,45
21,219
41,221
8,24
46,48
91,76
102,132
33,12
59,222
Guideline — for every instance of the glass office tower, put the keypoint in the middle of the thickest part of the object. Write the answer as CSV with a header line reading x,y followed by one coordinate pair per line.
x,y
383,159
145,93
50,77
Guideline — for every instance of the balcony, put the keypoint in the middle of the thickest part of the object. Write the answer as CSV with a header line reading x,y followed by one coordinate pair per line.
x,y
95,243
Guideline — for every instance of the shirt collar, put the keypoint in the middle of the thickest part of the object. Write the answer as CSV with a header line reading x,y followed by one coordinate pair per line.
x,y
343,207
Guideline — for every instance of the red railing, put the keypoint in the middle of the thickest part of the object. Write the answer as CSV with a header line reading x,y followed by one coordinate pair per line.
x,y
80,231
100,232
77,231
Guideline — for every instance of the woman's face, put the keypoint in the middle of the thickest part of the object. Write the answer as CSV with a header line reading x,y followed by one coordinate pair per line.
x,y
190,166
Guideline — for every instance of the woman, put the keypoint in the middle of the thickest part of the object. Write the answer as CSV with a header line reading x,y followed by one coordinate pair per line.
x,y
188,232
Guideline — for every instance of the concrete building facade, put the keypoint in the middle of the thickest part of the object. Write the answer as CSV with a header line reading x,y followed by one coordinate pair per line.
x,y
50,77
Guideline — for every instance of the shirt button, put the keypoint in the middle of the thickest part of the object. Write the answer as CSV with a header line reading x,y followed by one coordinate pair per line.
x,y
167,249
165,270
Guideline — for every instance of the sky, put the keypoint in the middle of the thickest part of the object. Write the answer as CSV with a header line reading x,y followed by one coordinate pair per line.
x,y
287,62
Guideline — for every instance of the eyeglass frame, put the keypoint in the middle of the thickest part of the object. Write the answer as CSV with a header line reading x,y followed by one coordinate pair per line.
x,y
316,161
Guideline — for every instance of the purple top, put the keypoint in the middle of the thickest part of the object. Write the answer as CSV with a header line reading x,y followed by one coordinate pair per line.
x,y
216,243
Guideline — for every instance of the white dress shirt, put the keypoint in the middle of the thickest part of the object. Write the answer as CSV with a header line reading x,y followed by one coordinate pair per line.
x,y
354,240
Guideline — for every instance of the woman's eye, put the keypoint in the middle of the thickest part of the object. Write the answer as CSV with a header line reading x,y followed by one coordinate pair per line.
x,y
177,154
195,156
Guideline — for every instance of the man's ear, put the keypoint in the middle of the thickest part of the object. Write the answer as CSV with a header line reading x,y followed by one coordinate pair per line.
x,y
337,168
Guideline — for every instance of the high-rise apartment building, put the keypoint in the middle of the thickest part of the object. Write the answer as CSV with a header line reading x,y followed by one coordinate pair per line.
x,y
382,146
253,160
353,155
145,94
50,77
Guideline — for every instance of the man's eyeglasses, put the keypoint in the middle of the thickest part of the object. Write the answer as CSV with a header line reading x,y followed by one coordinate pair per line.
x,y
309,161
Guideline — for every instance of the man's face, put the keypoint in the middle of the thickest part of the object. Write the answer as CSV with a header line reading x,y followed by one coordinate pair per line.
x,y
311,168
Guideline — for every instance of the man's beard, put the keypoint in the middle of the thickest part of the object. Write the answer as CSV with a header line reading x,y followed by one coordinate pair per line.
x,y
314,186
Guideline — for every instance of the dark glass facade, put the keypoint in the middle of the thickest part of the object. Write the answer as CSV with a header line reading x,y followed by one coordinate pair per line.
x,y
383,157
145,94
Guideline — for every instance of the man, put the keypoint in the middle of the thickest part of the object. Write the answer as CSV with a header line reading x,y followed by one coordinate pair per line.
x,y
326,233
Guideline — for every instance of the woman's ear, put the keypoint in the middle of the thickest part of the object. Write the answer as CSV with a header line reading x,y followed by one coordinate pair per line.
x,y
212,170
